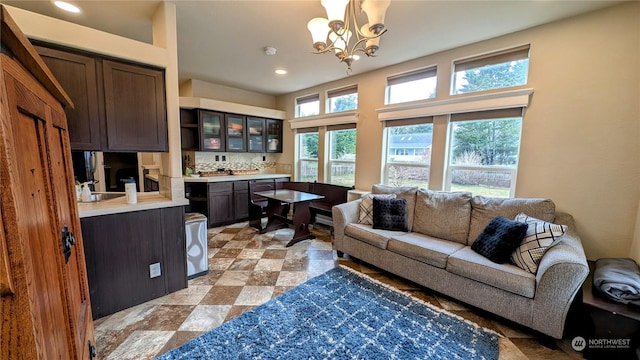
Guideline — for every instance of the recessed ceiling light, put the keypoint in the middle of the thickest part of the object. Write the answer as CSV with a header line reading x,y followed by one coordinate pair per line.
x,y
67,6
281,71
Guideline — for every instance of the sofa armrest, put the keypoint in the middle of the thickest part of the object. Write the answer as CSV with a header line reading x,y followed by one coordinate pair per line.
x,y
561,273
344,214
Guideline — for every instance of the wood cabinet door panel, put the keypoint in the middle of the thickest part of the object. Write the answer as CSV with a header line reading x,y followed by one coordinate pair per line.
x,y
34,233
74,271
220,207
77,75
135,107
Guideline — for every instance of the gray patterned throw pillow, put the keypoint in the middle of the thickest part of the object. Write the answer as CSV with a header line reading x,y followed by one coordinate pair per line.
x,y
390,214
366,207
541,235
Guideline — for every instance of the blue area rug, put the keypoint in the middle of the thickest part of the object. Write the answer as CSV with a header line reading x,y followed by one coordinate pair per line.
x,y
342,315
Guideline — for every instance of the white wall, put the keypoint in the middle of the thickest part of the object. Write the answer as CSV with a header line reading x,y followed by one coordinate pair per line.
x,y
581,132
207,90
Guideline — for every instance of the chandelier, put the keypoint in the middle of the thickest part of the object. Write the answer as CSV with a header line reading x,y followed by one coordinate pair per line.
x,y
337,31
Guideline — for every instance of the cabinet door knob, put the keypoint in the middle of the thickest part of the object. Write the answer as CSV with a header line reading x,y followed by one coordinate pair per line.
x,y
68,240
92,351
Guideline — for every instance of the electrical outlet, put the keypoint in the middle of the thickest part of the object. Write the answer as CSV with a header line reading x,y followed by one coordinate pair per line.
x,y
264,158
154,270
224,158
217,157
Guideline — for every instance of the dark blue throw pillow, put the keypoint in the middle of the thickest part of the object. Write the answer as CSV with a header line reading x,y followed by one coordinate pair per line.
x,y
499,239
390,214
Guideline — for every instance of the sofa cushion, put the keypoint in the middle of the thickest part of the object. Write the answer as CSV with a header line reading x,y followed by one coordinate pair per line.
x,y
423,248
366,207
390,214
499,239
483,209
365,233
403,192
443,214
468,263
540,236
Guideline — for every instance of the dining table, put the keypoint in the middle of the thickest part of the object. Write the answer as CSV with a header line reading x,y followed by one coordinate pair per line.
x,y
279,201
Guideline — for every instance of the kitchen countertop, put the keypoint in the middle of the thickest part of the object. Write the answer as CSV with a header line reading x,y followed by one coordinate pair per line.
x,y
224,178
146,201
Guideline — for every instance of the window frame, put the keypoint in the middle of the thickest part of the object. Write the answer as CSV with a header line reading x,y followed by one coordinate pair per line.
x,y
300,158
488,115
387,137
340,92
489,59
329,133
407,77
306,100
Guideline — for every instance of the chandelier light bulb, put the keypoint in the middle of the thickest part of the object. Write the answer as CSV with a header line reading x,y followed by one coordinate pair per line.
x,y
319,28
375,10
335,12
340,43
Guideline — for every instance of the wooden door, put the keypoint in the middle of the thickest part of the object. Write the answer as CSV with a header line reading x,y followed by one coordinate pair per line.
x,y
135,107
77,74
48,314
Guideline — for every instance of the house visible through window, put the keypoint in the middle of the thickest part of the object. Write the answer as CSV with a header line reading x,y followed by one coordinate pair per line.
x,y
307,154
408,152
342,154
483,158
494,71
411,86
342,99
308,105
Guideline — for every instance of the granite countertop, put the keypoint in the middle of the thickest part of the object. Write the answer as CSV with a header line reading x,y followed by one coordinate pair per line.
x,y
146,201
224,178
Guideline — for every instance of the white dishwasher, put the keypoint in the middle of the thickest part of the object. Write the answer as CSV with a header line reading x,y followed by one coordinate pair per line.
x,y
196,238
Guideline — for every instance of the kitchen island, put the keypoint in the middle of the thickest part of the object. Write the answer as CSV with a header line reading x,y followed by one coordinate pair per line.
x,y
224,199
134,252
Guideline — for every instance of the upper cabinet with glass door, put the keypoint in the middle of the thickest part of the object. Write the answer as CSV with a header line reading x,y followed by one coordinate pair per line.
x,y
274,135
255,134
212,130
236,133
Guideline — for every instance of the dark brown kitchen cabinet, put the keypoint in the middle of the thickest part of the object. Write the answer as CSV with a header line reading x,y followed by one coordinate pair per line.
x,y
220,203
212,130
236,129
255,134
45,311
77,75
120,106
120,248
274,135
207,130
240,200
134,107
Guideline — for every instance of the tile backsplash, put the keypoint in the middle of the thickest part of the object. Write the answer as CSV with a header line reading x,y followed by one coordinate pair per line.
x,y
201,161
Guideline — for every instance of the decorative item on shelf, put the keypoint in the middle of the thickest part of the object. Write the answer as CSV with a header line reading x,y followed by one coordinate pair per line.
x,y
245,172
341,25
219,172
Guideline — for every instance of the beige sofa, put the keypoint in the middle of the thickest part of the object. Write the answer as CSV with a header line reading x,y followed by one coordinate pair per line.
x,y
436,253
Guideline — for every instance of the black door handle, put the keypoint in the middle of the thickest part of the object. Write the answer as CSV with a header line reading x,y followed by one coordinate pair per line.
x,y
68,240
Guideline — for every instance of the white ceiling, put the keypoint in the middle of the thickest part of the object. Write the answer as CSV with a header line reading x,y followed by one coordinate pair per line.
x,y
222,41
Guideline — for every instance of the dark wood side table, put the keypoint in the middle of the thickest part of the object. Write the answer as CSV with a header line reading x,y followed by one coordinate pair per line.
x,y
613,328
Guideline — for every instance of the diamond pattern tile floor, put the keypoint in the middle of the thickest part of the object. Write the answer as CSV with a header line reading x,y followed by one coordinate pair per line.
x,y
246,270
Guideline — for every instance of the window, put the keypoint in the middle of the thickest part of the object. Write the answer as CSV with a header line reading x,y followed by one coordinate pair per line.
x,y
307,154
342,154
415,85
308,105
342,99
483,158
408,149
495,71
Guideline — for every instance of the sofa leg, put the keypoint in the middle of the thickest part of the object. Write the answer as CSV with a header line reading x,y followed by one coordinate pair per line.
x,y
548,341
340,253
